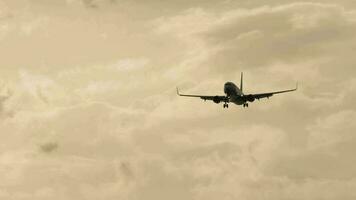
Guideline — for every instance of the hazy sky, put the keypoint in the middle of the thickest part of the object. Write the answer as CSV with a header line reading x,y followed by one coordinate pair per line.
x,y
88,108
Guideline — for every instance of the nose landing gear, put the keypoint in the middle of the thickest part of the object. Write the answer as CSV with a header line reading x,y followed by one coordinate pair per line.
x,y
226,105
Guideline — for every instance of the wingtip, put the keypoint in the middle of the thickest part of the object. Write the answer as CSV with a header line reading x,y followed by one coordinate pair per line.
x,y
177,91
296,86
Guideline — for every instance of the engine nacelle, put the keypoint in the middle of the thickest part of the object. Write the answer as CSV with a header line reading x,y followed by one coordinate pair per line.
x,y
250,98
216,99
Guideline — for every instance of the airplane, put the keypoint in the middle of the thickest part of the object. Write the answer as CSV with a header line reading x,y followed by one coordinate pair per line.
x,y
235,95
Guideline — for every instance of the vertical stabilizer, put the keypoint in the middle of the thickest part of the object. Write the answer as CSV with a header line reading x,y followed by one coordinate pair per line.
x,y
242,82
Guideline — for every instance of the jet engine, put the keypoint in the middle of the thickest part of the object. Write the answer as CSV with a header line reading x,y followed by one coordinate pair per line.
x,y
250,98
216,99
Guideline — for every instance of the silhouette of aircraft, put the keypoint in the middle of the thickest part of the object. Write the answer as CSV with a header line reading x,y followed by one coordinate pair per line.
x,y
235,95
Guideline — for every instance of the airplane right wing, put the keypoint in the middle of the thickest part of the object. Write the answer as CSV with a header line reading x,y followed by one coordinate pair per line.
x,y
215,99
268,94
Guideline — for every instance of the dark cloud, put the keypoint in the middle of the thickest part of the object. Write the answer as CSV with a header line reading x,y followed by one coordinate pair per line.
x,y
42,96
90,3
49,147
127,171
3,100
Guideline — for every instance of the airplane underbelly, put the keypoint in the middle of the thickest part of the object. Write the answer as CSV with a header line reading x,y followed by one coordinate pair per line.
x,y
237,100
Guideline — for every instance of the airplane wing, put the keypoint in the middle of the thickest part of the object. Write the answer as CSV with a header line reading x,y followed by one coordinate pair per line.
x,y
268,94
216,98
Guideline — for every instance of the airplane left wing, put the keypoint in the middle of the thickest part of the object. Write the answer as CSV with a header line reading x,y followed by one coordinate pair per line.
x,y
216,99
268,94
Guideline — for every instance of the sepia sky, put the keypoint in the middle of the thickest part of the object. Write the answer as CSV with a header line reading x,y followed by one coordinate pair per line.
x,y
88,108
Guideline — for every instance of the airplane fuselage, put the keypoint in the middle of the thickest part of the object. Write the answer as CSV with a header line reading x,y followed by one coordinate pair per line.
x,y
234,93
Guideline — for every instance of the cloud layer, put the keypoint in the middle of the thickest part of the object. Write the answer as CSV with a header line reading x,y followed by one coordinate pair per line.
x,y
89,110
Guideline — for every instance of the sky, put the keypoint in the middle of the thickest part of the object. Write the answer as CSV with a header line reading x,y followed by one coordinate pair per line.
x,y
88,107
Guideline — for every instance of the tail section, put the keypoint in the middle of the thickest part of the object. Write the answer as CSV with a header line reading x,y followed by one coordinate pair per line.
x,y
242,82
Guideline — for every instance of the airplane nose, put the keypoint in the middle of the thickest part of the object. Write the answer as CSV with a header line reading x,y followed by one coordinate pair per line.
x,y
226,88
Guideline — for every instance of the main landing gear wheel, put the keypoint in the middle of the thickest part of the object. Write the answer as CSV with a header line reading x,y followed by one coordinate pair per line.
x,y
245,105
226,105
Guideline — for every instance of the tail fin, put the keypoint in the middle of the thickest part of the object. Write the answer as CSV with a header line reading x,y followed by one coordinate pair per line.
x,y
242,82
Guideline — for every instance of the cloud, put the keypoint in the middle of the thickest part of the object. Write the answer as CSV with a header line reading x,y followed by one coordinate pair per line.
x,y
91,3
258,38
49,147
97,116
4,98
332,129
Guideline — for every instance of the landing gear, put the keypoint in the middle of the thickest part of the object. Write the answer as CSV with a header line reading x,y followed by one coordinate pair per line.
x,y
245,105
226,105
